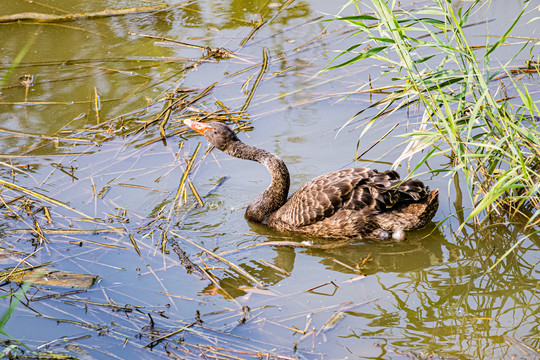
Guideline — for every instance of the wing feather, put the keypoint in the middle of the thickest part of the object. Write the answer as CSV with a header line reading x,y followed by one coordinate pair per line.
x,y
358,189
321,197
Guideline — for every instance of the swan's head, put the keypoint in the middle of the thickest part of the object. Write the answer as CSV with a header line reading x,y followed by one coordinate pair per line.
x,y
217,134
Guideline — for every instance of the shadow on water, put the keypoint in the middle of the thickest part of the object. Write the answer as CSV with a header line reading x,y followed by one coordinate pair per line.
x,y
421,249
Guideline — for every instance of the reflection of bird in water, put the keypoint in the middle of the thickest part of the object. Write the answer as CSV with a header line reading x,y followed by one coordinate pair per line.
x,y
352,203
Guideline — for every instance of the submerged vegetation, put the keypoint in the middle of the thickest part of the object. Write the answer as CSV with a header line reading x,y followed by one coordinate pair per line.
x,y
477,113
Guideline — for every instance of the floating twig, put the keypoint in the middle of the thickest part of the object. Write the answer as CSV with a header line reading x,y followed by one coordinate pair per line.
x,y
43,18
190,266
213,254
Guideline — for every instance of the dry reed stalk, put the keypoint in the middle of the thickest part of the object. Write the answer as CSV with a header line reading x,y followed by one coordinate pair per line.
x,y
261,23
321,285
365,260
4,277
107,70
80,242
43,18
344,306
28,268
359,277
74,231
173,41
249,68
158,340
167,114
195,193
134,243
178,296
39,232
345,265
147,225
5,203
264,67
277,268
31,103
57,295
74,322
331,323
133,186
218,286
15,156
172,101
258,354
114,307
36,229
102,264
255,28
181,190
195,205
293,328
376,142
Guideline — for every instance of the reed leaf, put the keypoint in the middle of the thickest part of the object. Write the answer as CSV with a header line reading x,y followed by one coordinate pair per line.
x,y
496,150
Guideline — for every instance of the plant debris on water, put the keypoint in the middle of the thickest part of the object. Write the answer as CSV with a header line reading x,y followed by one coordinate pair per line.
x,y
111,242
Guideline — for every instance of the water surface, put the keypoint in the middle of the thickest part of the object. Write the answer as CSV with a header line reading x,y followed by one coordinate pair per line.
x,y
97,81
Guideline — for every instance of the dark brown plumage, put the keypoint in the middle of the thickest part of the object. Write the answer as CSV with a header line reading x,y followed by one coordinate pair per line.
x,y
352,203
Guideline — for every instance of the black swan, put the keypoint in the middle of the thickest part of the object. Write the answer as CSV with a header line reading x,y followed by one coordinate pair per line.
x,y
348,203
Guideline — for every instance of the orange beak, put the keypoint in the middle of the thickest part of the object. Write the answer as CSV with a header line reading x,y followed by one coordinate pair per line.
x,y
197,126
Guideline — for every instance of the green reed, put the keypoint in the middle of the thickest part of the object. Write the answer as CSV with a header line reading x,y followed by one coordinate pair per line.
x,y
489,137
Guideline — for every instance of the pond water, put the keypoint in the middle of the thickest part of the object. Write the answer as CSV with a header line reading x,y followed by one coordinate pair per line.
x,y
80,142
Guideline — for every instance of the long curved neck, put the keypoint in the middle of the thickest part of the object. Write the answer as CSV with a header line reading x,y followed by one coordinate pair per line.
x,y
276,194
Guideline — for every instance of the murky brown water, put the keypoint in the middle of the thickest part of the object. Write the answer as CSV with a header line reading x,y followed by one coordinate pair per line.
x,y
429,295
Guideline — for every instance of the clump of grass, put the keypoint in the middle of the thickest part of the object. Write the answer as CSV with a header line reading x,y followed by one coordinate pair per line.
x,y
13,345
467,116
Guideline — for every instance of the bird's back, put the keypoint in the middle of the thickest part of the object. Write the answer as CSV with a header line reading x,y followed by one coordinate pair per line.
x,y
357,203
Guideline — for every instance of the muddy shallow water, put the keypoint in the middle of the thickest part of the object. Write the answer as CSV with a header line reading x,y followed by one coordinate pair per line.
x,y
70,137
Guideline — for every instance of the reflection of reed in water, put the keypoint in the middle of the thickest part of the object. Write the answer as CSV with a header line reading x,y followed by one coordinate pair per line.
x,y
460,303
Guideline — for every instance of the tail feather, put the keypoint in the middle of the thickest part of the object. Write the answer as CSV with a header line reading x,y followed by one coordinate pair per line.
x,y
413,189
